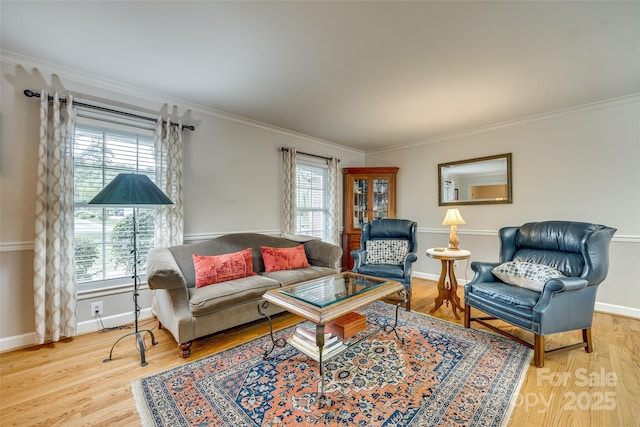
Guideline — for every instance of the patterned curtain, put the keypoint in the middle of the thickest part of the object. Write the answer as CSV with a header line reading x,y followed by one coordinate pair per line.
x,y
54,280
169,225
289,196
333,183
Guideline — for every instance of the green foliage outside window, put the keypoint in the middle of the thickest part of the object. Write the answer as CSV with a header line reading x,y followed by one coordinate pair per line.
x,y
121,238
86,256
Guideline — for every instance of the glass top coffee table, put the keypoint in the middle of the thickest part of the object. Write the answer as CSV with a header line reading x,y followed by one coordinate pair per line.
x,y
328,298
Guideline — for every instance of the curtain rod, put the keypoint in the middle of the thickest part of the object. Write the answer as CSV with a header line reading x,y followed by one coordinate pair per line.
x,y
32,94
308,154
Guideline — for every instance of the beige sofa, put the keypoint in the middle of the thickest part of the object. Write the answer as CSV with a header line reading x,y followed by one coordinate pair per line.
x,y
189,312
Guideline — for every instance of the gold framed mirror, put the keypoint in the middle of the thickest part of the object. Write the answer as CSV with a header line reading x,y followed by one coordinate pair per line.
x,y
479,181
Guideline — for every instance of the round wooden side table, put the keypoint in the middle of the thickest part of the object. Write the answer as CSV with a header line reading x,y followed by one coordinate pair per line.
x,y
447,284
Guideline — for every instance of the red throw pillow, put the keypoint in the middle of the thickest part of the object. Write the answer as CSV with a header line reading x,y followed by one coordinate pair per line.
x,y
220,268
276,259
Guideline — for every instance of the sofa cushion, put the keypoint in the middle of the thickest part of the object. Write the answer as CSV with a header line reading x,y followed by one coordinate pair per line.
x,y
526,274
220,268
512,295
382,270
206,300
289,277
386,251
276,259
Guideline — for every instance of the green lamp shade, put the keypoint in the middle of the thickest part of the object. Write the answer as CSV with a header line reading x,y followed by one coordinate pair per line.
x,y
131,189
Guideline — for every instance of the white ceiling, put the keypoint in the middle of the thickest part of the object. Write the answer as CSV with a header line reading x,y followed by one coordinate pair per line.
x,y
369,75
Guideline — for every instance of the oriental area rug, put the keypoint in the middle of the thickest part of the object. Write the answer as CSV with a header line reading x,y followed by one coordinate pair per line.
x,y
444,374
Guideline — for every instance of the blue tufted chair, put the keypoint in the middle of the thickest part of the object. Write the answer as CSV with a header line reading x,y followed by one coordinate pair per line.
x,y
379,231
578,250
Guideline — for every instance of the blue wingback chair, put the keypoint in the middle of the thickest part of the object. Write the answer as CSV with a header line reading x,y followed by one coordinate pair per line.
x,y
578,250
388,229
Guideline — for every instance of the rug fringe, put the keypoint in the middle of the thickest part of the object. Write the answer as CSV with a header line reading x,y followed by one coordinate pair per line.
x,y
146,420
516,391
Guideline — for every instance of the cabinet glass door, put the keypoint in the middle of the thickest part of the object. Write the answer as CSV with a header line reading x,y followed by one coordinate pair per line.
x,y
360,202
380,198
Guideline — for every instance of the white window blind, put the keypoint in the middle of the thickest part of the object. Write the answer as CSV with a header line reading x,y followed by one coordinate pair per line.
x,y
311,199
103,234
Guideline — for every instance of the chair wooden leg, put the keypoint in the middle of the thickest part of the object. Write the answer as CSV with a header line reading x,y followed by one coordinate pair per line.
x,y
538,350
586,337
185,349
407,306
467,316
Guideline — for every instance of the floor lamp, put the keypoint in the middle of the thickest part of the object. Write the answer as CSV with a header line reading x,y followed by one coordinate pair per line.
x,y
133,190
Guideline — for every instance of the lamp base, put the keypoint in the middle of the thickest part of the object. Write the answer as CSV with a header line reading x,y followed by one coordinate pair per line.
x,y
454,242
136,307
141,345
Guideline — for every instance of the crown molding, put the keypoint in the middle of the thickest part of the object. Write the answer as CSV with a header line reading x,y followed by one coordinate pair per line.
x,y
635,97
15,59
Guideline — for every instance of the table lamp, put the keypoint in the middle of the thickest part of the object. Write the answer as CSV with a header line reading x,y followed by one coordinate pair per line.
x,y
130,189
453,218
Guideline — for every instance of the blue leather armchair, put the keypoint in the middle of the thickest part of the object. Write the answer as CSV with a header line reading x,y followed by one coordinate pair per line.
x,y
388,229
580,251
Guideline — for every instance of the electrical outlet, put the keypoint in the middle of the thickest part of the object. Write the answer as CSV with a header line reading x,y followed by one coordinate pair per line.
x,y
96,308
456,264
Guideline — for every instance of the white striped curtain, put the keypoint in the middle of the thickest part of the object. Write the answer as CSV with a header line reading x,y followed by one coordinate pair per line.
x,y
169,220
333,195
289,192
54,280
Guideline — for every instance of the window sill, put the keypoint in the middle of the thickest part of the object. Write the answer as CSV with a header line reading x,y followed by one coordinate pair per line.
x,y
109,290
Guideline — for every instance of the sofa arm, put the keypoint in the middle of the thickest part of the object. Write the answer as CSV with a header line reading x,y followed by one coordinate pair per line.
x,y
483,272
559,284
359,257
163,271
323,254
409,259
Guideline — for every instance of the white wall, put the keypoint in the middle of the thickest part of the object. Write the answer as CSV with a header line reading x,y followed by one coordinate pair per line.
x,y
232,181
233,176
581,164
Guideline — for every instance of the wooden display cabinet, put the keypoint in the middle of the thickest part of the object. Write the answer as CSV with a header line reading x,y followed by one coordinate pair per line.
x,y
369,193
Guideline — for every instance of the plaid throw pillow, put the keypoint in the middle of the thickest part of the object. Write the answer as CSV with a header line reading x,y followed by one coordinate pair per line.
x,y
386,251
526,274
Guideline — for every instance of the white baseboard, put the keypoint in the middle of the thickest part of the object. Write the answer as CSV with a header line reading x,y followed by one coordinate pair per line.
x,y
426,276
435,277
94,325
618,310
17,341
87,326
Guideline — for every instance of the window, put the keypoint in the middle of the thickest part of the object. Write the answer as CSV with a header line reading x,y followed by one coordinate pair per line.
x,y
103,234
311,200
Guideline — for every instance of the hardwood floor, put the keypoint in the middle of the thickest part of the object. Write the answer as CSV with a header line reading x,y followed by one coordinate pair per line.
x,y
67,384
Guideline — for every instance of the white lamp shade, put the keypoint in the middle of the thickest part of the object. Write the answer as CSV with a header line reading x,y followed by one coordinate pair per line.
x,y
453,217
